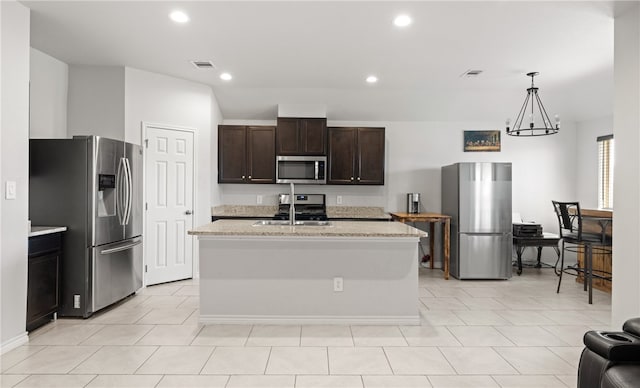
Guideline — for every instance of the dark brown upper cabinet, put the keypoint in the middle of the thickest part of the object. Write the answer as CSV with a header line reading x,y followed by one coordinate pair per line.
x,y
246,154
356,156
301,136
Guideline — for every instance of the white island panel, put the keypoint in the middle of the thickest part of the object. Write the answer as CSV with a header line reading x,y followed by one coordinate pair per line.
x,y
290,279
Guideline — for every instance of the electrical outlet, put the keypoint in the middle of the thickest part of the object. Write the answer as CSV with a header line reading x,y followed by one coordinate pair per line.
x,y
339,199
338,284
76,301
259,199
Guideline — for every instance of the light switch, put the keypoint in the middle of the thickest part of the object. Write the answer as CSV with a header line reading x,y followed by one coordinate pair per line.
x,y
339,200
10,190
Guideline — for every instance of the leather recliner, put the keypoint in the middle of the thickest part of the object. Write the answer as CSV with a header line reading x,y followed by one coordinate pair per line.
x,y
611,359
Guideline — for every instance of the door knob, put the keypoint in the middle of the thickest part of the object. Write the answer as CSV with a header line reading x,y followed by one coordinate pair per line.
x,y
188,212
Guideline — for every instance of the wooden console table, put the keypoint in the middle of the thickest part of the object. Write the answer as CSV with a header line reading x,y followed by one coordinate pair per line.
x,y
431,219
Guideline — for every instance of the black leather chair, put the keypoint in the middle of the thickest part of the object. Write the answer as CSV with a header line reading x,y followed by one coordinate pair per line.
x,y
575,240
611,359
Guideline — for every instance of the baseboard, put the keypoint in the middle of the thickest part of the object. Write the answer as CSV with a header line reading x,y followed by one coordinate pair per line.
x,y
309,320
14,342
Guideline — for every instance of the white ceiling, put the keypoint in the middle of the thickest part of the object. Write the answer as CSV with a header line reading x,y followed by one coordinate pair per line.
x,y
309,52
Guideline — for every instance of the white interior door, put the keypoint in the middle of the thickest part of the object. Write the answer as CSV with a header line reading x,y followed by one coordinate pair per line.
x,y
169,203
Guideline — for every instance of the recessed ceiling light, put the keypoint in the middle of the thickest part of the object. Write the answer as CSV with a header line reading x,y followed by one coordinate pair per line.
x,y
179,17
402,20
225,76
372,79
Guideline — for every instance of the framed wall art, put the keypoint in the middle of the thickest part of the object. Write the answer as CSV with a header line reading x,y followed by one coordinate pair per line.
x,y
481,141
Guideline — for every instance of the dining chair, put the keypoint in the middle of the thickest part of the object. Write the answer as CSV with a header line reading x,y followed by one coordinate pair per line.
x,y
574,239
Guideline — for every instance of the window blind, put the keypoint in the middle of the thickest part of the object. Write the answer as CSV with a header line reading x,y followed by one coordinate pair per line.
x,y
606,152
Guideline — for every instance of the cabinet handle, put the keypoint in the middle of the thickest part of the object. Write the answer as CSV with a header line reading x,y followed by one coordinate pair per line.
x,y
249,176
358,179
351,178
243,177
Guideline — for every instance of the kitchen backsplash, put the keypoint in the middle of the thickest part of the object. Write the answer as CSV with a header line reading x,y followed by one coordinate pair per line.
x,y
351,196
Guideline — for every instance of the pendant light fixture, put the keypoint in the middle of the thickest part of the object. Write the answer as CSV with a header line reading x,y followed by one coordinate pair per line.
x,y
536,109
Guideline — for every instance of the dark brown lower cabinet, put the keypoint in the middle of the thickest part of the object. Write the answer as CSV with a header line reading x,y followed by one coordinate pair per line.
x,y
43,279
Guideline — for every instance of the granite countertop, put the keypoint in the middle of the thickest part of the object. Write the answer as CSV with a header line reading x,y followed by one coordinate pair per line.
x,y
337,229
42,230
354,212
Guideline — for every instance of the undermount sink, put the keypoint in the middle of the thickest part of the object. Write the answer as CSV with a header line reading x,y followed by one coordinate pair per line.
x,y
296,223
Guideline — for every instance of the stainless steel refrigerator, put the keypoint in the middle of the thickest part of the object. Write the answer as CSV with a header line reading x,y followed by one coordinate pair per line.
x,y
93,186
477,196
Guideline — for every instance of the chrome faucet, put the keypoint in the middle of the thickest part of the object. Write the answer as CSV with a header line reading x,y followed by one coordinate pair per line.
x,y
292,207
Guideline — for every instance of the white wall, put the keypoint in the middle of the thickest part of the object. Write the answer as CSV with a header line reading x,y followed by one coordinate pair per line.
x,y
160,99
626,122
14,163
48,96
543,169
587,159
96,101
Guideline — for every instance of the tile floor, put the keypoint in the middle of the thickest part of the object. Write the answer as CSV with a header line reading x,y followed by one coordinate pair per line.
x,y
516,333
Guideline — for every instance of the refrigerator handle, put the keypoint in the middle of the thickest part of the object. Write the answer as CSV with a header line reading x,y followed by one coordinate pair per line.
x,y
129,192
120,203
121,248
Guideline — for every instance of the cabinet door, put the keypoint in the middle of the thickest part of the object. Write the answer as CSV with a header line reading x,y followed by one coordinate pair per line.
x,y
341,160
232,151
313,136
370,156
287,137
42,288
261,154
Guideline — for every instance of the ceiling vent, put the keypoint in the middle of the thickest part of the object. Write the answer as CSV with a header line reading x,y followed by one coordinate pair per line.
x,y
203,64
471,73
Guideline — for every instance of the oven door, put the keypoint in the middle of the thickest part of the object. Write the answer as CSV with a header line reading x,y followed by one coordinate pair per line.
x,y
301,169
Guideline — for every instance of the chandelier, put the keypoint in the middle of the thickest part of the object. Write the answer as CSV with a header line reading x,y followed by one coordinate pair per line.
x,y
546,128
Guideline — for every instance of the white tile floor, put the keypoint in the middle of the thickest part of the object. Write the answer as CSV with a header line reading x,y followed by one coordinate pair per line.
x,y
516,333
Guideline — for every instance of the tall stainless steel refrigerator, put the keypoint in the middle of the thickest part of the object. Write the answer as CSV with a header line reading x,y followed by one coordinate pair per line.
x,y
477,196
93,186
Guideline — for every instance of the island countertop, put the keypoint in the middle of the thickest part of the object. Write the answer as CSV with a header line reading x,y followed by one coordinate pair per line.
x,y
337,229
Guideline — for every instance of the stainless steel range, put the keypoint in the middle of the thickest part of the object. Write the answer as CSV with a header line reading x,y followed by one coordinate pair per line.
x,y
307,207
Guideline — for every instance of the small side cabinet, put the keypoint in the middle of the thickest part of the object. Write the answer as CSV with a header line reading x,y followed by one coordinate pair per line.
x,y
45,253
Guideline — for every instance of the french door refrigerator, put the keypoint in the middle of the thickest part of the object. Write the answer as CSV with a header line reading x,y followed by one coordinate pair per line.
x,y
477,196
93,186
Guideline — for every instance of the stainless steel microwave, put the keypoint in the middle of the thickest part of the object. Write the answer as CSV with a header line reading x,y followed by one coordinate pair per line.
x,y
301,169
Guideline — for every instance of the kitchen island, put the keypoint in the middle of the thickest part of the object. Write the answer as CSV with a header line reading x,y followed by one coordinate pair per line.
x,y
351,272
